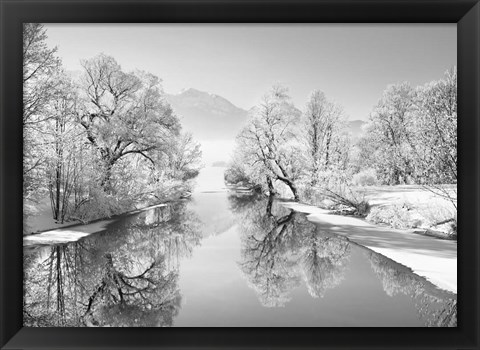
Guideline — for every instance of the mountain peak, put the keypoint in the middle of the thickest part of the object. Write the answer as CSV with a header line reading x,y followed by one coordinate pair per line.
x,y
206,115
191,91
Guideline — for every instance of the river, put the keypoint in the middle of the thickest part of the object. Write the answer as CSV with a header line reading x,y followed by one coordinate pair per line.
x,y
222,258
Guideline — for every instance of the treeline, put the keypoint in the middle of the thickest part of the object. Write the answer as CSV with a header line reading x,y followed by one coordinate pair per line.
x,y
410,138
100,143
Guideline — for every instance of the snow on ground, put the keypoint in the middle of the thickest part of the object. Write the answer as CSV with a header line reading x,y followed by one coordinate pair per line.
x,y
425,208
432,258
42,219
414,195
65,235
48,231
74,233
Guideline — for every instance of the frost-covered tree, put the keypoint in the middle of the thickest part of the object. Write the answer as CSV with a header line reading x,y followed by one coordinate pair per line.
x,y
269,142
238,172
324,128
40,67
62,146
386,146
101,144
184,158
435,136
412,133
124,114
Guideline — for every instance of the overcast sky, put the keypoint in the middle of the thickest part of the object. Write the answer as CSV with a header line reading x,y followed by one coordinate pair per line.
x,y
352,64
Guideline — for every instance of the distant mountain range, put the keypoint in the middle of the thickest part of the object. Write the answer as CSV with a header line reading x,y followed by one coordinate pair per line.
x,y
207,116
213,117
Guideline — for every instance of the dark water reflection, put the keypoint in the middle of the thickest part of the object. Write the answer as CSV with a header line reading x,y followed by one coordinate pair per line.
x,y
224,260
125,276
280,246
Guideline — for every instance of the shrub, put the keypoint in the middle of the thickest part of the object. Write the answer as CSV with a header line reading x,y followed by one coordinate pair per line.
x,y
453,225
345,198
397,216
363,208
311,195
235,175
367,177
438,213
99,205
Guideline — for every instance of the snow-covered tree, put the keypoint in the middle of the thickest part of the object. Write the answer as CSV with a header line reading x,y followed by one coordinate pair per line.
x,y
325,137
40,67
124,114
184,158
412,133
435,136
269,142
386,146
63,140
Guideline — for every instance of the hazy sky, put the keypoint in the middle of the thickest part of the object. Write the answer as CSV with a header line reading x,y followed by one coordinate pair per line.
x,y
352,64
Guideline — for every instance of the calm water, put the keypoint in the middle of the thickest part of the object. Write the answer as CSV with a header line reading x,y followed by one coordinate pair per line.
x,y
224,259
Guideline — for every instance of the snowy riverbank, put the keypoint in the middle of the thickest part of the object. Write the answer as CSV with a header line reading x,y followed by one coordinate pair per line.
x,y
433,258
42,229
73,233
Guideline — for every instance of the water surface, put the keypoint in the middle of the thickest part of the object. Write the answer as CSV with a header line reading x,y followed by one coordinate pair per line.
x,y
224,259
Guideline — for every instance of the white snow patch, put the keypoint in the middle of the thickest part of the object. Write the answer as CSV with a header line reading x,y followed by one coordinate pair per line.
x,y
54,237
74,233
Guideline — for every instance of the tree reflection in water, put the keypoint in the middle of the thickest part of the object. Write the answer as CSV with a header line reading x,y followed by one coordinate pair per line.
x,y
324,260
148,299
435,307
280,247
126,276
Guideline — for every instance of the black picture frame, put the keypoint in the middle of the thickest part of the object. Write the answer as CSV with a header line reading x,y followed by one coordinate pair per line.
x,y
466,13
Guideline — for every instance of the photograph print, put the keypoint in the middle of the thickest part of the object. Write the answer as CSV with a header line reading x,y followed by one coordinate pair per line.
x,y
234,175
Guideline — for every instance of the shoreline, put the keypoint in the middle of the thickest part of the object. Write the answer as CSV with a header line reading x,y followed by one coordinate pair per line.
x,y
430,257
67,234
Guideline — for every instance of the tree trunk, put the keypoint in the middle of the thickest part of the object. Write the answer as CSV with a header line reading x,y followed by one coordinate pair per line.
x,y
314,176
285,179
106,179
327,154
292,187
58,174
105,184
271,189
315,156
395,177
294,191
269,205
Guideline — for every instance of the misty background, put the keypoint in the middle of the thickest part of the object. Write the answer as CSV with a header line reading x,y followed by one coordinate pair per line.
x,y
213,74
